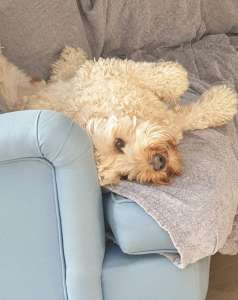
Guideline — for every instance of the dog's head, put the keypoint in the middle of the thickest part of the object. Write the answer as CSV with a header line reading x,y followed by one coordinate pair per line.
x,y
132,149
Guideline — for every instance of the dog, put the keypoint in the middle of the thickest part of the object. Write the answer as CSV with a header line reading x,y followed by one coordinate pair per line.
x,y
131,110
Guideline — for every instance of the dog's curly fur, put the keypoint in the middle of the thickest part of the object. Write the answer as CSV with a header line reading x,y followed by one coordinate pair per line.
x,y
130,109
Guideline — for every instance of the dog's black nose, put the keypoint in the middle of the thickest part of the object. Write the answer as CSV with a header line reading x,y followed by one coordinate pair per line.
x,y
158,162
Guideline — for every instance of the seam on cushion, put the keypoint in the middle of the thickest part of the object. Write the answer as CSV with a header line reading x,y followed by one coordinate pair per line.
x,y
65,141
157,251
27,158
85,152
72,124
113,226
57,214
87,149
38,138
60,233
122,201
37,133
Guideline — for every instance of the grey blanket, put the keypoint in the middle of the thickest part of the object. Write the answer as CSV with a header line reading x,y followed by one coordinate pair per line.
x,y
199,208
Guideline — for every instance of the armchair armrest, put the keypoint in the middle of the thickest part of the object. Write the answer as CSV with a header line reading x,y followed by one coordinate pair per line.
x,y
55,138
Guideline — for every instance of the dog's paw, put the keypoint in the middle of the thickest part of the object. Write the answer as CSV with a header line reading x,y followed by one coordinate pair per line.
x,y
173,80
221,102
68,63
216,107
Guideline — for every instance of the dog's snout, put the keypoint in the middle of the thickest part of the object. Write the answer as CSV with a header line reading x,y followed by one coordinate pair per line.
x,y
158,162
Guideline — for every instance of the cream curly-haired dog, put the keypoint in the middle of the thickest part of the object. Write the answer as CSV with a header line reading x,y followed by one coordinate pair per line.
x,y
130,109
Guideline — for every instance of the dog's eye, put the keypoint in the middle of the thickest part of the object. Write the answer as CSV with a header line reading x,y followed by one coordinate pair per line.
x,y
119,144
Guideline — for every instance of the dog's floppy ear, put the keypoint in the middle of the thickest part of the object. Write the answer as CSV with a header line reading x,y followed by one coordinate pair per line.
x,y
95,125
169,80
101,131
108,177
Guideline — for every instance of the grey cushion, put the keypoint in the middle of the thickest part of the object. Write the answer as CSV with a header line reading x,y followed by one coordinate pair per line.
x,y
32,33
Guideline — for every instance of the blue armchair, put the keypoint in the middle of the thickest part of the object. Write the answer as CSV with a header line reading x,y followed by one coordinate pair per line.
x,y
52,236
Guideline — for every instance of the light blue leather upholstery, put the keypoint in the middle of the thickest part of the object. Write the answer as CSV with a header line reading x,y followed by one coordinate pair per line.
x,y
52,238
69,174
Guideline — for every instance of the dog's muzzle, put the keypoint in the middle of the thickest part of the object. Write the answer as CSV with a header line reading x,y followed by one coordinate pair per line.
x,y
158,162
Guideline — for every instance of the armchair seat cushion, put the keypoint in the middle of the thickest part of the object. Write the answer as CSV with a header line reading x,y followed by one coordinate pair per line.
x,y
151,277
133,229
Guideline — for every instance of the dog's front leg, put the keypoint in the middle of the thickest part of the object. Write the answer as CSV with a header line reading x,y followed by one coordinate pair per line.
x,y
215,107
168,80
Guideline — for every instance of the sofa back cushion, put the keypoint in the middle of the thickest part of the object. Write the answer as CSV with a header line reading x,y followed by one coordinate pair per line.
x,y
34,32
